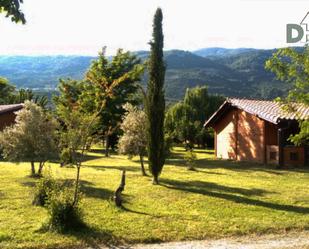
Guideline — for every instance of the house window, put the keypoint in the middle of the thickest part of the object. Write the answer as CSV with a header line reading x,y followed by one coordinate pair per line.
x,y
294,156
273,155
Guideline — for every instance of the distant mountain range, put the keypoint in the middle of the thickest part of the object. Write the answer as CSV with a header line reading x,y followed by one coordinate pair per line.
x,y
230,72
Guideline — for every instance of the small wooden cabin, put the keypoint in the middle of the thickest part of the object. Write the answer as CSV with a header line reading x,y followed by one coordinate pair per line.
x,y
7,114
258,131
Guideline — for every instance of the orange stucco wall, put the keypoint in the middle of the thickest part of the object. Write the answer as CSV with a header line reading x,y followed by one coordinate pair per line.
x,y
225,140
240,136
250,138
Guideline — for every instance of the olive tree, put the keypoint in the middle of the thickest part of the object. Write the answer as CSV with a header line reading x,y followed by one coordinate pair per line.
x,y
134,139
31,138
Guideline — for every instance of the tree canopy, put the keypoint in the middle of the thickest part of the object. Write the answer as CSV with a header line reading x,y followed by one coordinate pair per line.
x,y
122,73
185,119
6,91
31,138
134,139
292,66
11,9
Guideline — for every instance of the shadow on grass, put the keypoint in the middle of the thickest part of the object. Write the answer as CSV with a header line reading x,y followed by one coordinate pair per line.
x,y
126,168
102,152
86,187
236,166
94,192
89,236
126,209
89,190
228,193
94,238
138,212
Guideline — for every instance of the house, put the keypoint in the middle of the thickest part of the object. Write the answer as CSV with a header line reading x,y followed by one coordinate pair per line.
x,y
258,131
7,114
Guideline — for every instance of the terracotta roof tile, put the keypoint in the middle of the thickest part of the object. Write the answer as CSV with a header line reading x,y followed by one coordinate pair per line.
x,y
271,111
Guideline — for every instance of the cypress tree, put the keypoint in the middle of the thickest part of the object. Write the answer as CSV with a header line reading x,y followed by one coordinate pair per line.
x,y
155,102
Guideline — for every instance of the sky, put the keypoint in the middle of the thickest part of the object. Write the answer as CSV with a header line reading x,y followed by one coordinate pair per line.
x,y
84,27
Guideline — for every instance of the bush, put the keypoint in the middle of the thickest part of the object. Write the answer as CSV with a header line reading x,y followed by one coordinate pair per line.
x,y
168,145
63,214
190,158
66,156
45,185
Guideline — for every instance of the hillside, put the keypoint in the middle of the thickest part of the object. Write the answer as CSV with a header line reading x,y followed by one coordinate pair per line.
x,y
231,72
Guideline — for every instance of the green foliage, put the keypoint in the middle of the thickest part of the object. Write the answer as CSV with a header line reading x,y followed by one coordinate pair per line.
x,y
69,93
81,105
31,138
11,8
8,95
122,74
64,215
190,158
66,155
77,126
184,120
6,91
27,94
155,102
133,141
292,66
302,138
168,145
43,189
76,133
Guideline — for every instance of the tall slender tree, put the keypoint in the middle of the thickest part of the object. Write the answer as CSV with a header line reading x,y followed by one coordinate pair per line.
x,y
155,102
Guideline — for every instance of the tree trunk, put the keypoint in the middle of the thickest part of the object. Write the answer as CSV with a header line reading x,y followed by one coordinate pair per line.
x,y
32,169
75,200
106,145
141,158
41,165
155,180
117,195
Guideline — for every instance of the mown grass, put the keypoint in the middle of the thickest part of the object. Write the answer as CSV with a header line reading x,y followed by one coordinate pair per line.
x,y
220,198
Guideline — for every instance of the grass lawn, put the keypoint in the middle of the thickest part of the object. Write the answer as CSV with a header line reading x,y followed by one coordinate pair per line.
x,y
220,198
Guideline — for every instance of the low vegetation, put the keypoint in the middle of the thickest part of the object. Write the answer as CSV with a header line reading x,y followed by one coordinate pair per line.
x,y
219,198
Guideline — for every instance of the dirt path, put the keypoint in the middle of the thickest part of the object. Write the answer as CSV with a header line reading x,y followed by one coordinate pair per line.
x,y
287,241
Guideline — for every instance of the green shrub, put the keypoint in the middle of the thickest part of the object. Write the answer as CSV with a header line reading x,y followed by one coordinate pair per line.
x,y
190,158
168,145
45,185
66,156
63,215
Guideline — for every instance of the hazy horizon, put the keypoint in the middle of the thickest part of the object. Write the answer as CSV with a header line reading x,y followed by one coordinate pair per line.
x,y
94,55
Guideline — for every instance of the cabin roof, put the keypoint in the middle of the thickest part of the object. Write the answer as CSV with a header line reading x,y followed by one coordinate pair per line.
x,y
271,111
10,108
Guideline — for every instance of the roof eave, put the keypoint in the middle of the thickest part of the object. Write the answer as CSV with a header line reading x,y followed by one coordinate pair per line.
x,y
214,117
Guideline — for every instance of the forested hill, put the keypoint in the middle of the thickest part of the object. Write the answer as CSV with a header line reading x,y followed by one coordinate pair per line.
x,y
231,72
